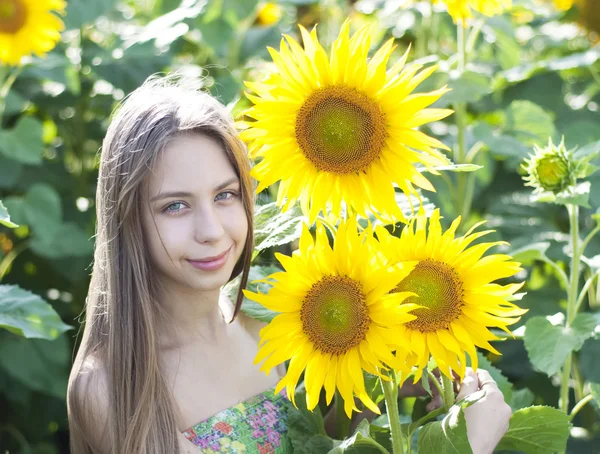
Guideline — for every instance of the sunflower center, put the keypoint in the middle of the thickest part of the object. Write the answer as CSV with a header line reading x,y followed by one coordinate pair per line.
x,y
340,130
439,289
12,16
552,172
334,314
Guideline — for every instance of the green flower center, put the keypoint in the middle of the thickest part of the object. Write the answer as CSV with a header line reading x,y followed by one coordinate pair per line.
x,y
439,289
334,314
340,130
553,173
12,16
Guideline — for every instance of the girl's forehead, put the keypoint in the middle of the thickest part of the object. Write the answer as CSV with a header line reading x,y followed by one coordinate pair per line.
x,y
192,163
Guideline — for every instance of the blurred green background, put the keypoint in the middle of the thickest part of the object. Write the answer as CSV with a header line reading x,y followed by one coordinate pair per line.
x,y
534,72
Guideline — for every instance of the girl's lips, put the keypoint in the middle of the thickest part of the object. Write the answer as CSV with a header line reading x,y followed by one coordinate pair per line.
x,y
210,265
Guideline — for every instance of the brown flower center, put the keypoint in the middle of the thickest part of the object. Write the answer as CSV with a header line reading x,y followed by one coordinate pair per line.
x,y
335,315
340,130
13,15
439,289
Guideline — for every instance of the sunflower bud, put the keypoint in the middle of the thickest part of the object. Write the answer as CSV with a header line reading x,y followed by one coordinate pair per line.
x,y
550,169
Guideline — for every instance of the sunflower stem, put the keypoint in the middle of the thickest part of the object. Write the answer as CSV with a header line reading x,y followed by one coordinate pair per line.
x,y
448,395
342,422
463,198
7,78
571,301
390,391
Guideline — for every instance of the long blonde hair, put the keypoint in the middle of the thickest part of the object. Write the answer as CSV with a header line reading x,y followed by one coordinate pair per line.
x,y
122,310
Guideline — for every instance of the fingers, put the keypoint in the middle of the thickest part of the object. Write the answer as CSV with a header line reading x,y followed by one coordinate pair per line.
x,y
469,385
486,382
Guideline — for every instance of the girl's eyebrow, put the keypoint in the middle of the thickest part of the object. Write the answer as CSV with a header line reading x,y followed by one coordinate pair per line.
x,y
164,195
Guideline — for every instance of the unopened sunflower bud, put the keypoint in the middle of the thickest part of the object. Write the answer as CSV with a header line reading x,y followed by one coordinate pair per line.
x,y
550,169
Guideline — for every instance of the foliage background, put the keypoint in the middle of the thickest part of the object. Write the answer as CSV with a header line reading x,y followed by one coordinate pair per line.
x,y
534,73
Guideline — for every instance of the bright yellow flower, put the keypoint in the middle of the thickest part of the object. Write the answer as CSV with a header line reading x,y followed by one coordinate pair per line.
x,y
456,291
461,10
269,14
28,27
340,129
337,315
563,5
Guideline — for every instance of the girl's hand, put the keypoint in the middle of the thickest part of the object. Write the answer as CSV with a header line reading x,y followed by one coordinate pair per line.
x,y
487,419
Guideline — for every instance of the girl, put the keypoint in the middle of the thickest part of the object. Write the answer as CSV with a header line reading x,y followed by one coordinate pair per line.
x,y
165,363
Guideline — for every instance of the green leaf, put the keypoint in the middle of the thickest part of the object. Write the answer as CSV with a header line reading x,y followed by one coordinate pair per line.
x,y
580,195
41,365
521,398
24,142
28,315
257,40
529,123
10,172
590,366
548,346
469,87
83,12
274,228
530,253
43,210
303,424
360,443
499,144
5,218
68,241
318,444
448,436
595,392
588,152
536,430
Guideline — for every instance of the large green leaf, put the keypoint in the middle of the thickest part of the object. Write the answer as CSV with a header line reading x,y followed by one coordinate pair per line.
x,y
537,430
529,123
82,12
10,171
43,210
360,442
5,217
548,345
252,308
304,424
469,87
24,142
41,365
274,228
28,315
68,241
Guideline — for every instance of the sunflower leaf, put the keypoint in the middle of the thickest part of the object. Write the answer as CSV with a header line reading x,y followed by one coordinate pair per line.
x,y
5,217
536,430
274,228
28,315
530,253
360,443
448,436
548,345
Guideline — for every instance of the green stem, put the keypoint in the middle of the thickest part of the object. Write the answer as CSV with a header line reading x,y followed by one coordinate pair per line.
x,y
579,405
342,422
588,239
584,290
436,382
448,395
5,85
571,301
562,276
390,391
9,258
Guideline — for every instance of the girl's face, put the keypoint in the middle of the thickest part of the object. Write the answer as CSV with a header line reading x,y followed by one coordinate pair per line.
x,y
195,221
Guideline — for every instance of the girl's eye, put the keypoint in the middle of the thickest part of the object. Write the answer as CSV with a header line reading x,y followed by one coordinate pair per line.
x,y
171,209
226,195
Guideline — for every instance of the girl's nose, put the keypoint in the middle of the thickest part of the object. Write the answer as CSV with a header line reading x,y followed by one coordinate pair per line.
x,y
208,227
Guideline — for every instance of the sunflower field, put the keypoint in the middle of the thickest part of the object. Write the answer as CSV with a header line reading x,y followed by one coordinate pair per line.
x,y
428,200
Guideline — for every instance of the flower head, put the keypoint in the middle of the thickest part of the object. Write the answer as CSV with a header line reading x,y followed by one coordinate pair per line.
x,y
28,27
337,317
456,291
461,10
342,129
269,14
550,169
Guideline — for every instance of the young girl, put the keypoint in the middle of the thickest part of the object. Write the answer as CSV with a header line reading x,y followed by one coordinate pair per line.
x,y
165,363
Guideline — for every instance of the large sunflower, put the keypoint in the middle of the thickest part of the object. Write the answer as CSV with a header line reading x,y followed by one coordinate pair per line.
x,y
341,129
455,288
460,10
28,27
337,317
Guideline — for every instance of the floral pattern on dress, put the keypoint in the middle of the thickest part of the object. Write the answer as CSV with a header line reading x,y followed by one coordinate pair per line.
x,y
255,426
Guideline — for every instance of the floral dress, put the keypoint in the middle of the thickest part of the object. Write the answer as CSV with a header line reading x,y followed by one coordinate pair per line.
x,y
256,426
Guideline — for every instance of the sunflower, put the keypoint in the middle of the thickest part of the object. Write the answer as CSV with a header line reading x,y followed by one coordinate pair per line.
x,y
455,289
28,27
461,10
337,315
340,129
